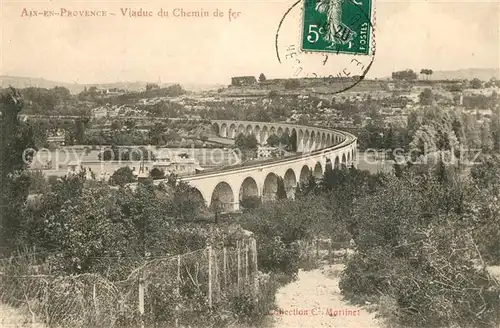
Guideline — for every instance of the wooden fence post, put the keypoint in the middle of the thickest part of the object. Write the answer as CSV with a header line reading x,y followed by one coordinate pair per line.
x,y
178,274
178,290
209,249
141,300
94,298
255,267
246,262
239,264
46,307
33,316
225,267
217,283
254,254
317,249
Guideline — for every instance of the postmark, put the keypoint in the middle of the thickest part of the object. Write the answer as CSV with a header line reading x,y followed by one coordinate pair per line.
x,y
328,39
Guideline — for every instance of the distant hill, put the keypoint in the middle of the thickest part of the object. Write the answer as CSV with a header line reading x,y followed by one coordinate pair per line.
x,y
25,82
201,87
483,74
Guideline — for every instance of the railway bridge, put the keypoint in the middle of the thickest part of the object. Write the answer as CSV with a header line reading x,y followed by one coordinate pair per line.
x,y
316,149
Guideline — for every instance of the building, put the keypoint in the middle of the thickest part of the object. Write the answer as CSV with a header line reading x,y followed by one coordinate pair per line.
x,y
240,81
177,165
56,141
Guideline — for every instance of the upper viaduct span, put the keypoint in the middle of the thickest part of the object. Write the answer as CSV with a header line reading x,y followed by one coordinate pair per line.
x,y
316,148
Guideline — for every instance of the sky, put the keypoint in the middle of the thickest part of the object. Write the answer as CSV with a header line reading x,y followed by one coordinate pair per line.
x,y
441,35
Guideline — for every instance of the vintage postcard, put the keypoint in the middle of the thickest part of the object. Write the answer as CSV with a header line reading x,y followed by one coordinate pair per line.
x,y
245,164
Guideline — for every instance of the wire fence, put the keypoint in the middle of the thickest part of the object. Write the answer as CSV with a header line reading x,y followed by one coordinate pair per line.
x,y
173,291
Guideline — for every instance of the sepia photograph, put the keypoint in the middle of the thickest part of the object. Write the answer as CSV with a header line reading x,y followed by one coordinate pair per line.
x,y
249,163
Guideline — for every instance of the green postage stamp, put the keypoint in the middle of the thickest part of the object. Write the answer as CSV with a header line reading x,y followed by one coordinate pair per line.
x,y
337,26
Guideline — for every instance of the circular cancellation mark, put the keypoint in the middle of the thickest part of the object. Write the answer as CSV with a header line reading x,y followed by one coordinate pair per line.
x,y
328,39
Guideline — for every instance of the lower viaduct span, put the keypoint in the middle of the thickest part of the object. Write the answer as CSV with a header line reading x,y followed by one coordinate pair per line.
x,y
316,149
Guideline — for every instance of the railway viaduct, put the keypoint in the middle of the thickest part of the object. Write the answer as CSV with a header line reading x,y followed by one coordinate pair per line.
x,y
316,148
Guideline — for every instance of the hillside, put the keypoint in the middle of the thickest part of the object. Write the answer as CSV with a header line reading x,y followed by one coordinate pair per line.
x,y
25,82
483,74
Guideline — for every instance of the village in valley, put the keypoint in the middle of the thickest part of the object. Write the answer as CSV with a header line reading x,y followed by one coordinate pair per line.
x,y
138,201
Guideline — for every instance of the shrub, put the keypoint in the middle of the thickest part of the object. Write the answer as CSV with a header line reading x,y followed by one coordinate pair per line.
x,y
157,173
433,282
252,310
250,202
291,84
122,176
280,258
414,248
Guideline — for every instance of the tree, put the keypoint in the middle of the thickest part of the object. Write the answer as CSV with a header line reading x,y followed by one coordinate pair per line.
x,y
151,86
472,132
273,140
427,72
188,202
423,71
487,143
406,75
157,173
280,191
130,124
273,94
122,176
117,125
16,140
495,128
303,120
250,202
40,131
293,141
389,140
291,84
38,183
476,83
286,140
80,126
171,136
156,133
204,136
216,207
426,97
406,255
456,88
308,187
262,77
262,115
491,83
245,142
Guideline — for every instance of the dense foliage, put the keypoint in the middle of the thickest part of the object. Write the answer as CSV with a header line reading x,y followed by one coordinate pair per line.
x,y
418,247
15,138
423,236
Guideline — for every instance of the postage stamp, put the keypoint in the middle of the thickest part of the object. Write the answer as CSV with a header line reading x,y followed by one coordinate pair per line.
x,y
328,39
337,26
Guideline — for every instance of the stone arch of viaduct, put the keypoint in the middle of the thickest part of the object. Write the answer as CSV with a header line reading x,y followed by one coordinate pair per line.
x,y
308,138
316,147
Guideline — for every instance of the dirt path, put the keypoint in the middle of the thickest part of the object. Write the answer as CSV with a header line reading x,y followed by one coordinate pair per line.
x,y
15,318
314,300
